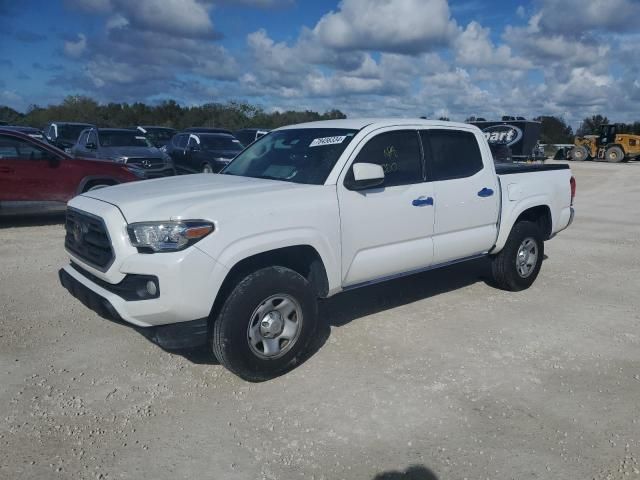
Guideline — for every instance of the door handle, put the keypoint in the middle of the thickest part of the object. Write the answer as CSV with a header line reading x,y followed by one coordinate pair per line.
x,y
6,170
485,192
422,201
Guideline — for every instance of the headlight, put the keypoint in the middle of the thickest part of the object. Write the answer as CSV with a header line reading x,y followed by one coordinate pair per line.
x,y
120,159
168,236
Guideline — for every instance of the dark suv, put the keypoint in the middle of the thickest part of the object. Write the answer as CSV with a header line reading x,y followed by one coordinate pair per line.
x,y
159,136
125,146
203,152
36,177
64,134
249,135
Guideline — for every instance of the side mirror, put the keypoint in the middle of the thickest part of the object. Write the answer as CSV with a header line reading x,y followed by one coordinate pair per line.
x,y
367,175
91,146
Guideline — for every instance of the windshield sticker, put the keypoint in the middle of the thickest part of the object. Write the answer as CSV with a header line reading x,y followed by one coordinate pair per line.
x,y
319,142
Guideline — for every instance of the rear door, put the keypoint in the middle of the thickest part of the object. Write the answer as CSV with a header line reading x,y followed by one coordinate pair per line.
x,y
386,230
466,194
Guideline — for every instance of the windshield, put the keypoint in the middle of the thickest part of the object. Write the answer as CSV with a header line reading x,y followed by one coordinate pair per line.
x,y
305,155
70,132
123,139
220,143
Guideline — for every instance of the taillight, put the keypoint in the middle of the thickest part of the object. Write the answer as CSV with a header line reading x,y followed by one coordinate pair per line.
x,y
572,182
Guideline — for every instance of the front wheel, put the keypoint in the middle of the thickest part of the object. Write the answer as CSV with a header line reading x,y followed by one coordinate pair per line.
x,y
579,154
517,266
265,324
614,155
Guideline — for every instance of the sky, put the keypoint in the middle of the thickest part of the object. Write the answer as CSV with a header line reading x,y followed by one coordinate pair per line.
x,y
401,58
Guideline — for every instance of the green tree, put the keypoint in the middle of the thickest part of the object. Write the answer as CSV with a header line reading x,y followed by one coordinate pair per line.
x,y
231,115
591,125
554,130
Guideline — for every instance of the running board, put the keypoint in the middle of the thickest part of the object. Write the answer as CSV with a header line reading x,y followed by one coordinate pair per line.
x,y
413,272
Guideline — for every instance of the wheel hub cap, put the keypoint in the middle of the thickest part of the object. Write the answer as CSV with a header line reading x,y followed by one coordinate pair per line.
x,y
527,257
272,324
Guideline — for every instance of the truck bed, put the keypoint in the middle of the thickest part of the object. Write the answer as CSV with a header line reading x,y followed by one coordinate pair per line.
x,y
512,168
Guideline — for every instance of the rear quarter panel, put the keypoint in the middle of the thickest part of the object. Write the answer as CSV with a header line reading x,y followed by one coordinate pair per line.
x,y
522,191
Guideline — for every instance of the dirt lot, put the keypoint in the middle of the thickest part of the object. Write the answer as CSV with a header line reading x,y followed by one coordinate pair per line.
x,y
438,371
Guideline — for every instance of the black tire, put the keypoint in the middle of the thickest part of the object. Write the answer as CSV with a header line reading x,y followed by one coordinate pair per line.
x,y
207,168
614,155
579,154
230,340
506,265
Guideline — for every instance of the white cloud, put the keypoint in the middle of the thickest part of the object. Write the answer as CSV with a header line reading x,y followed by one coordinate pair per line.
x,y
474,47
184,18
405,26
574,17
76,48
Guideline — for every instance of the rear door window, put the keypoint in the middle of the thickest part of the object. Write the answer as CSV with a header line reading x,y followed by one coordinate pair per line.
x,y
451,154
398,152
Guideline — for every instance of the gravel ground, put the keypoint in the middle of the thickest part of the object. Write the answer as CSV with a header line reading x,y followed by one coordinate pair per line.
x,y
433,376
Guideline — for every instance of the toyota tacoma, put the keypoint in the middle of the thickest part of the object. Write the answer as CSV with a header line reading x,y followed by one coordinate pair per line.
x,y
238,260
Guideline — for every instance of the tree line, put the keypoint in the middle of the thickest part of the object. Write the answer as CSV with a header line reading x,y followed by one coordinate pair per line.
x,y
235,115
232,115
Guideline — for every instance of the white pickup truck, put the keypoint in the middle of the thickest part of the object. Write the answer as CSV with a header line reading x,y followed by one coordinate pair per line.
x,y
238,260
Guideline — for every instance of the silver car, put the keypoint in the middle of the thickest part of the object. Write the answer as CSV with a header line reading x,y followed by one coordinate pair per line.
x,y
124,146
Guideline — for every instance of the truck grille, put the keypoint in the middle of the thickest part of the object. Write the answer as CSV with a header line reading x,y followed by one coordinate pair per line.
x,y
87,238
144,162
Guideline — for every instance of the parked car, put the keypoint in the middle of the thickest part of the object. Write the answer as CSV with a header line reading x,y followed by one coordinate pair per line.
x,y
203,152
36,177
237,261
64,134
207,130
124,146
31,131
159,136
249,135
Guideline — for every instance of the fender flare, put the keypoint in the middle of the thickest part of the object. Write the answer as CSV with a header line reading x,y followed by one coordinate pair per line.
x,y
93,178
513,215
244,248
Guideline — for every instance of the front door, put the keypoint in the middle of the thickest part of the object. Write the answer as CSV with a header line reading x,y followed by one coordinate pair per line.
x,y
386,230
27,171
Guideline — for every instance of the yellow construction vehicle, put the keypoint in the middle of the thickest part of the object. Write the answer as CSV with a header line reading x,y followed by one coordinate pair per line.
x,y
612,145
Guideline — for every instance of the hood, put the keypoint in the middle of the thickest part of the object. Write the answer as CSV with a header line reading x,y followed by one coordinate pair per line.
x,y
114,152
199,196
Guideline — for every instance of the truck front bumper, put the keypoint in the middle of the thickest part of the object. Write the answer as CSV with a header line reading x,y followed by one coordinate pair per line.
x,y
186,334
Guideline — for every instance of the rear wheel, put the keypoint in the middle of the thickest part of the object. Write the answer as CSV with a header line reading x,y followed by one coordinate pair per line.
x,y
265,324
207,168
614,155
517,266
579,154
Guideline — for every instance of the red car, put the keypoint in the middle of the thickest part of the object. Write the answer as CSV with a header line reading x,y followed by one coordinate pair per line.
x,y
37,177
